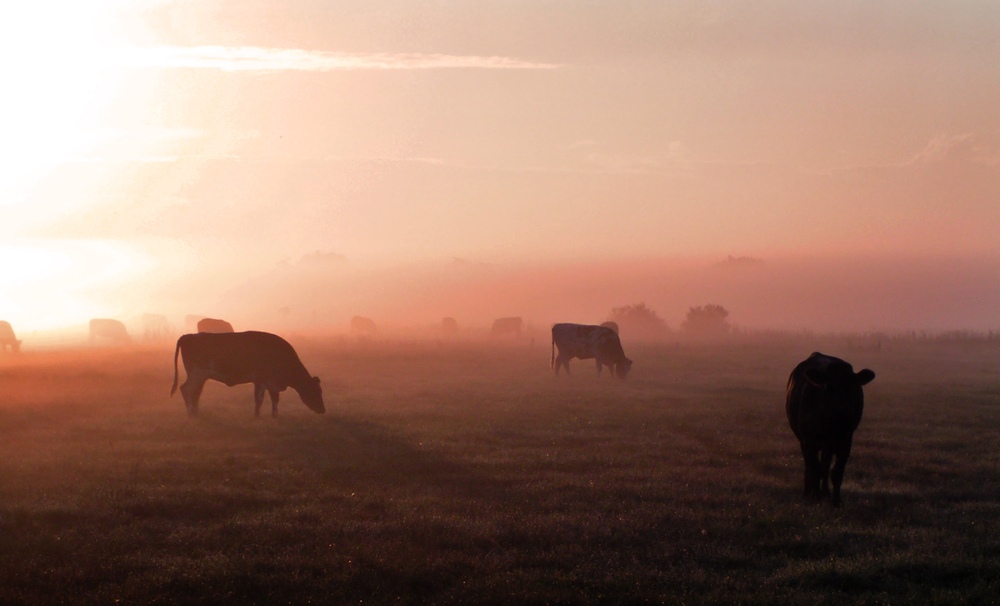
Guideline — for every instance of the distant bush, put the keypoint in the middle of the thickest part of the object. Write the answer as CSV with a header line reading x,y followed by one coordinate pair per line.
x,y
707,321
639,321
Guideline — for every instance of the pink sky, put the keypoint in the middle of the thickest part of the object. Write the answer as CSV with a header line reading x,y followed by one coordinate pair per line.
x,y
196,147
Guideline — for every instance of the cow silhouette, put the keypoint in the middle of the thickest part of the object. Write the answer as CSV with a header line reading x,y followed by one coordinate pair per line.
x,y
191,322
507,326
363,327
824,403
214,325
449,327
109,331
585,342
155,327
264,359
7,338
612,325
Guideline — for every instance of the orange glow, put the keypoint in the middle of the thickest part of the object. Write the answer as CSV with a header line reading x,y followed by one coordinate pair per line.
x,y
182,158
55,284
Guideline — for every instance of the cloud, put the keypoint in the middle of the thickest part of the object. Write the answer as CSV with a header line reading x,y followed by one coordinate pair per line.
x,y
251,58
966,148
675,155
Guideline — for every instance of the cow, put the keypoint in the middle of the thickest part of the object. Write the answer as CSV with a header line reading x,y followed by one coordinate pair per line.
x,y
586,342
612,325
7,338
108,330
155,327
191,322
507,326
449,327
824,403
363,327
214,325
264,359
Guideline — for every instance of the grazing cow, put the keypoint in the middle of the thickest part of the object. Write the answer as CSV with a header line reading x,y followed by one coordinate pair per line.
x,y
7,338
108,330
586,342
612,325
824,403
363,327
214,326
507,326
266,360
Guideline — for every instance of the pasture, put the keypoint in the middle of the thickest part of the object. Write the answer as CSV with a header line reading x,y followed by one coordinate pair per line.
x,y
464,474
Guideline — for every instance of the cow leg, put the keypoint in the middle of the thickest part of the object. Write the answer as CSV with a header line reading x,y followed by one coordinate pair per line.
x,y
562,361
191,390
811,457
600,366
258,398
837,475
274,402
826,457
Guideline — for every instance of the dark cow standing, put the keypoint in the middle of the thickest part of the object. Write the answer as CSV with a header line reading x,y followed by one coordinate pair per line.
x,y
586,342
824,404
214,325
266,360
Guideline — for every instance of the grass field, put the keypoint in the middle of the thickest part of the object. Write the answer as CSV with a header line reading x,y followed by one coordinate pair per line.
x,y
466,474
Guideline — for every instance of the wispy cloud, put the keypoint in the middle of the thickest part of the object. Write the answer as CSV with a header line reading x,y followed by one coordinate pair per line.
x,y
967,148
251,58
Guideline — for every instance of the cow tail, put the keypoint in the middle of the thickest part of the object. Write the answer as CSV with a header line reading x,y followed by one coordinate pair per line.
x,y
176,351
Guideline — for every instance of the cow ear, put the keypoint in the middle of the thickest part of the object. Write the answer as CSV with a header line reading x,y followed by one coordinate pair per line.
x,y
816,377
864,377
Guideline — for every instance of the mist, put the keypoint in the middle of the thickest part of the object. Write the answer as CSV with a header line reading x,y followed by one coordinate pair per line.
x,y
320,293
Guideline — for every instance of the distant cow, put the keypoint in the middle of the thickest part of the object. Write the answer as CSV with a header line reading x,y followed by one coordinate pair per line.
x,y
449,327
266,360
612,325
191,322
214,325
507,326
363,327
104,329
824,403
7,338
155,327
586,342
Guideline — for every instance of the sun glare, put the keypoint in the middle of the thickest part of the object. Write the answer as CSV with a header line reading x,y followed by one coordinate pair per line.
x,y
57,61
58,72
57,284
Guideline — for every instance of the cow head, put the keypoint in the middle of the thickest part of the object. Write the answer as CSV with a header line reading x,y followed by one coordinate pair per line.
x,y
622,368
312,395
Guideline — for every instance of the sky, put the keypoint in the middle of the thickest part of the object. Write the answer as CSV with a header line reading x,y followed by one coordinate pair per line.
x,y
303,161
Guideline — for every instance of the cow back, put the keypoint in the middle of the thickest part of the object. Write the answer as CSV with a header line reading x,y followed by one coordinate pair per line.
x,y
824,399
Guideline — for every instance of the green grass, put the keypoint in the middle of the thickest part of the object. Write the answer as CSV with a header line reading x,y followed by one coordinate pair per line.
x,y
469,475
